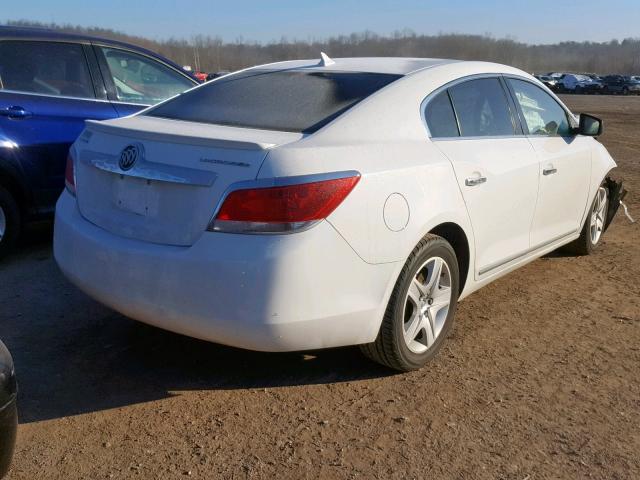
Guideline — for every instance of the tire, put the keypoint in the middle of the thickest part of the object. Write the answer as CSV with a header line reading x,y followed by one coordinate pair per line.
x,y
9,222
8,429
590,238
391,348
625,91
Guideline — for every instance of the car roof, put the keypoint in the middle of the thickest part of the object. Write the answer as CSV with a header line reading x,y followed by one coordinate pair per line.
x,y
391,65
38,33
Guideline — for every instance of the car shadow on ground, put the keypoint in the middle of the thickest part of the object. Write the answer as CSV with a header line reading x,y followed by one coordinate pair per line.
x,y
74,356
117,362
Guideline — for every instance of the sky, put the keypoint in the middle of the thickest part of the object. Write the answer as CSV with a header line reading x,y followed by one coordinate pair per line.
x,y
530,21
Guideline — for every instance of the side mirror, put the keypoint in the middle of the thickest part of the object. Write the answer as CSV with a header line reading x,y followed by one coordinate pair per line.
x,y
590,126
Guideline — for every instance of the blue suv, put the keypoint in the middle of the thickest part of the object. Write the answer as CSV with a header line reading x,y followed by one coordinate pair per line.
x,y
50,83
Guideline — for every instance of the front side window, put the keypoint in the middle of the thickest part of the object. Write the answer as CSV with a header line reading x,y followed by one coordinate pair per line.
x,y
142,80
286,100
440,117
482,108
47,68
542,114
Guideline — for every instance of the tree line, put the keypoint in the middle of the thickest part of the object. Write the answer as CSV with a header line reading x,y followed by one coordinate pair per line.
x,y
213,54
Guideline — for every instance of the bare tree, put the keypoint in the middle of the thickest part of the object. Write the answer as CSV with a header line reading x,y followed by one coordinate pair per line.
x,y
212,54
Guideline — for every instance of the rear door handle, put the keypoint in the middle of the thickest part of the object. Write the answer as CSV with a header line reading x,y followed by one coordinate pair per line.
x,y
549,170
14,111
473,181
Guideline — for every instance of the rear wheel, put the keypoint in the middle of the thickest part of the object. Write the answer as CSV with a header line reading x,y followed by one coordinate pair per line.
x,y
593,226
9,221
625,91
421,308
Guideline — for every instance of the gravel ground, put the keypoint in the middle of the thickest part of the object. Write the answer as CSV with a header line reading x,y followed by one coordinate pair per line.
x,y
540,379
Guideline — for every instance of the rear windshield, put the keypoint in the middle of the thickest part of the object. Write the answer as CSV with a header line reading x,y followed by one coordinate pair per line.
x,y
285,100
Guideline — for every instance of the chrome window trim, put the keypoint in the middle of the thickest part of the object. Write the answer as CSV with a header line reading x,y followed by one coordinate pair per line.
x,y
66,97
13,38
504,76
453,83
479,137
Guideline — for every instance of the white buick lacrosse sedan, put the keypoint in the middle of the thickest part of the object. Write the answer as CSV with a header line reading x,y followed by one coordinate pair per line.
x,y
304,204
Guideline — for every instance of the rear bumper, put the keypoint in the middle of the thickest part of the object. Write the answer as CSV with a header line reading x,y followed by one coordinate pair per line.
x,y
303,291
8,429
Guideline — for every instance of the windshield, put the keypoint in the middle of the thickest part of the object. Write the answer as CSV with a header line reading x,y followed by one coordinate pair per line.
x,y
285,100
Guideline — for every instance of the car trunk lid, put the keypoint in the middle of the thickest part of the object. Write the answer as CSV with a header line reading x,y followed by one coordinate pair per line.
x,y
170,178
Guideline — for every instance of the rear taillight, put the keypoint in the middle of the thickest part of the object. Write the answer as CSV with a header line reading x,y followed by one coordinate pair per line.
x,y
282,208
70,175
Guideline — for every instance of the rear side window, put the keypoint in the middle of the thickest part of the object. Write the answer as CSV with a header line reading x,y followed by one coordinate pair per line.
x,y
290,100
440,117
48,68
482,108
141,80
542,114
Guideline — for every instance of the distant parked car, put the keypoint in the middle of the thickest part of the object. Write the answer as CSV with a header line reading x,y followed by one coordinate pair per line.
x,y
50,83
8,412
550,82
221,73
595,85
305,204
578,83
621,85
556,75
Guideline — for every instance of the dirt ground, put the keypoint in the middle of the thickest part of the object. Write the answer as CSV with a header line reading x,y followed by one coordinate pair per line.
x,y
539,380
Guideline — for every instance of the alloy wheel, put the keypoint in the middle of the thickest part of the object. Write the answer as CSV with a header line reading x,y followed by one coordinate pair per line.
x,y
598,215
427,305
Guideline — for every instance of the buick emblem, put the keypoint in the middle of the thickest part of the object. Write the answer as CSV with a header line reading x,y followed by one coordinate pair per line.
x,y
129,156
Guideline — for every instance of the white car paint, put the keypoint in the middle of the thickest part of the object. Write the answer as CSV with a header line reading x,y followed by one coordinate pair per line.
x,y
328,285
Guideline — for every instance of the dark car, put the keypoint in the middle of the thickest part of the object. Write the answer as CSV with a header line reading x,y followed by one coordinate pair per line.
x,y
213,76
50,83
8,412
620,84
596,86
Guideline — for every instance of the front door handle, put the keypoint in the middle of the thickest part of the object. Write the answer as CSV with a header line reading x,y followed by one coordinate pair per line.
x,y
14,111
473,181
549,170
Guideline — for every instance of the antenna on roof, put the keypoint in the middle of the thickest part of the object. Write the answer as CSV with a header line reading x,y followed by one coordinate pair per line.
x,y
325,60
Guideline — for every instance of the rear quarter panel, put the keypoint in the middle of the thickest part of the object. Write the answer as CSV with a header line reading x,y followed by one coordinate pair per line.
x,y
416,170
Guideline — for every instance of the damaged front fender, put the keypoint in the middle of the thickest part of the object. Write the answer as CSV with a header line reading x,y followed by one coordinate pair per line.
x,y
616,195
